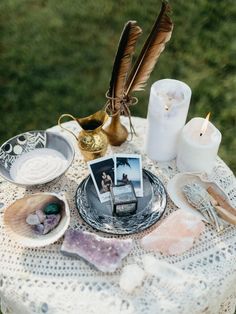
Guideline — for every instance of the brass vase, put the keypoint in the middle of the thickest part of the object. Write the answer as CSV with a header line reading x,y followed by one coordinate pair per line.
x,y
92,139
116,132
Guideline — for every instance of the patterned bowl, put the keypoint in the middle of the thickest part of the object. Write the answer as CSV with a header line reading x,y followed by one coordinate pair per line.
x,y
35,157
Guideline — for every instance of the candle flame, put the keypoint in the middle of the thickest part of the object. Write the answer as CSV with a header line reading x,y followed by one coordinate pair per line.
x,y
205,124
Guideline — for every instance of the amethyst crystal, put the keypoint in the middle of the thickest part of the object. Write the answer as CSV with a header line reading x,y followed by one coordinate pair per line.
x,y
51,222
105,254
39,229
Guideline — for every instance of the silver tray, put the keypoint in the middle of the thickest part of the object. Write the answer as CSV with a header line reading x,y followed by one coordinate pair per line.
x,y
99,215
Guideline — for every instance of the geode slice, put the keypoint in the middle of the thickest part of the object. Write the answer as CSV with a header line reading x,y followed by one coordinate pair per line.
x,y
105,254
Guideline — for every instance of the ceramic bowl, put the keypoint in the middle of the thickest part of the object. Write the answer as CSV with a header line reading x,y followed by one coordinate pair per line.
x,y
15,219
15,151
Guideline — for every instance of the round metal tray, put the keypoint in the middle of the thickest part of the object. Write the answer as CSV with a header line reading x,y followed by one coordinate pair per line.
x,y
99,215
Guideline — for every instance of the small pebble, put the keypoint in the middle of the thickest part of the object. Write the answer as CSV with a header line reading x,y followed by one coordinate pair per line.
x,y
132,276
39,229
40,215
32,220
51,222
52,209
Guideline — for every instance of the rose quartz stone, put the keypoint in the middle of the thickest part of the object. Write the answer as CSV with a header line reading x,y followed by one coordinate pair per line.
x,y
175,235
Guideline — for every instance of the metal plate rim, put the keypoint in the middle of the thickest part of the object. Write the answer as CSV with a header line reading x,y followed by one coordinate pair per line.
x,y
118,233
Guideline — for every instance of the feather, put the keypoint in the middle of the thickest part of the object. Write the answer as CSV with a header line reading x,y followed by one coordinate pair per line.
x,y
123,59
153,47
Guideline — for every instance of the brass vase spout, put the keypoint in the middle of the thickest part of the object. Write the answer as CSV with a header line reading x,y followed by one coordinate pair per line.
x,y
92,140
116,131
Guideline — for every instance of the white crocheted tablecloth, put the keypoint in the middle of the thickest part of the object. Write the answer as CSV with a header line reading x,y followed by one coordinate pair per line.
x,y
44,281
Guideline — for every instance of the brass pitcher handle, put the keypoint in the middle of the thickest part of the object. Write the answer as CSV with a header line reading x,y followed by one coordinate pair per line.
x,y
59,123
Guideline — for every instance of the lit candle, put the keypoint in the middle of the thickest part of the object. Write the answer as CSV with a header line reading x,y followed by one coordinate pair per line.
x,y
167,112
198,146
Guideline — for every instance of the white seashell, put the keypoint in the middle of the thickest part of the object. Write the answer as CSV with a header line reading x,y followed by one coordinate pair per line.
x,y
15,219
175,189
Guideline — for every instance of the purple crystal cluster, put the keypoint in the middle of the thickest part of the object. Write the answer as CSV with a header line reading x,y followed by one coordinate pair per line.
x,y
43,223
105,254
49,223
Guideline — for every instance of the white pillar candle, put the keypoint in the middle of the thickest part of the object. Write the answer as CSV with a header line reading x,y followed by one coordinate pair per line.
x,y
167,112
197,148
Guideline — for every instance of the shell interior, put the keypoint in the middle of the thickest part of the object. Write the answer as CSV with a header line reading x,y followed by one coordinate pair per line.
x,y
15,219
176,184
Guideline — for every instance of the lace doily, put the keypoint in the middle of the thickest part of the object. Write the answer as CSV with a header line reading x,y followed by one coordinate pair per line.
x,y
44,281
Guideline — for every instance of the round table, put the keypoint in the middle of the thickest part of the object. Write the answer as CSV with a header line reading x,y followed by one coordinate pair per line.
x,y
42,280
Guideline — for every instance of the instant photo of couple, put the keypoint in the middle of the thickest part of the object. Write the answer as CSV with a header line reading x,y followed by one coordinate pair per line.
x,y
119,169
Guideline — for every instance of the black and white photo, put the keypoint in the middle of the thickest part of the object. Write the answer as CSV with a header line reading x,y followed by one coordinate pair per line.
x,y
102,172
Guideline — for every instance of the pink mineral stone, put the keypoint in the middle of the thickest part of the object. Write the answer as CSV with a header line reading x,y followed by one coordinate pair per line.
x,y
175,235
105,254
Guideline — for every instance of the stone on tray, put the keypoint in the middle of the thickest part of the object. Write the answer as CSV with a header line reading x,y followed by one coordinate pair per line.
x,y
103,253
175,235
131,277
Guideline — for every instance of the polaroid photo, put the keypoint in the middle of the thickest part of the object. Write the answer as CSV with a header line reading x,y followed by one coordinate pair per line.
x,y
102,173
128,168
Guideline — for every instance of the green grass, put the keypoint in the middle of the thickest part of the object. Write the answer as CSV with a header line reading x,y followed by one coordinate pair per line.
x,y
57,56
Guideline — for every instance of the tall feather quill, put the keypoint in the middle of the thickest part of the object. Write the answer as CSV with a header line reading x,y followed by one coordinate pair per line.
x,y
153,47
122,62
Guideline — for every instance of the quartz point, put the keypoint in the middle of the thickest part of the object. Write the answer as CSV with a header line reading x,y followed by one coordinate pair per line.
x,y
176,234
32,220
105,254
131,277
